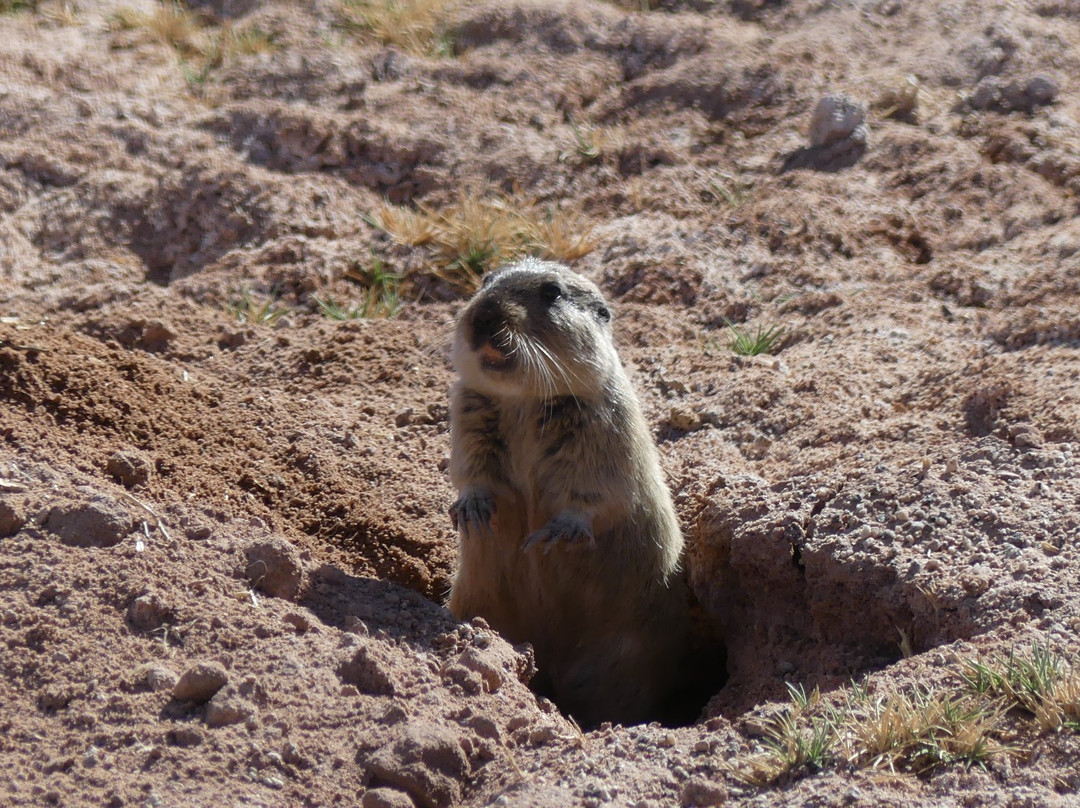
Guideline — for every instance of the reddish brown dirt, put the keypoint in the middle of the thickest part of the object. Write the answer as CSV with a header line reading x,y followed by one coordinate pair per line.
x,y
892,491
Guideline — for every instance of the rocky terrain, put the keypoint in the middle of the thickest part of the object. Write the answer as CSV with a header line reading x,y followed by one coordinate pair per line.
x,y
233,238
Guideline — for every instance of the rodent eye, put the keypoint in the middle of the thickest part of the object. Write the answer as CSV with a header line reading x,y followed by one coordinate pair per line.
x,y
603,313
550,292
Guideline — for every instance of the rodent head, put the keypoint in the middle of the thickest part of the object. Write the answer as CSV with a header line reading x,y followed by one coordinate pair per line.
x,y
536,330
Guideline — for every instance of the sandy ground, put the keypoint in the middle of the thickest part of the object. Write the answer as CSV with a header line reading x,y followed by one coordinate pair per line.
x,y
224,545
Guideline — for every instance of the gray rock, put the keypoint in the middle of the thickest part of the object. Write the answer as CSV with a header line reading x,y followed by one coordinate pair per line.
x,y
838,117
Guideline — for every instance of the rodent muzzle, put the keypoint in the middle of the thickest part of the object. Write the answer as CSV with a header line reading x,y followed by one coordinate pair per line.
x,y
491,337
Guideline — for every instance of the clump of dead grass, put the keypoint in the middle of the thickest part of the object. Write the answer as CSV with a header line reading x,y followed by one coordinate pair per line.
x,y
920,729
909,731
591,143
917,729
474,234
1039,682
416,26
201,48
171,23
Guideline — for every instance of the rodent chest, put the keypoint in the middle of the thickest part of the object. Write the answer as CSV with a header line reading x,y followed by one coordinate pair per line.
x,y
544,443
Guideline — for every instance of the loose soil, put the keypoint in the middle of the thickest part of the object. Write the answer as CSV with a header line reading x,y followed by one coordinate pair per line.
x,y
224,545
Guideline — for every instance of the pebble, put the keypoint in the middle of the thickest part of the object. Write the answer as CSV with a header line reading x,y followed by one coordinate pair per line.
x,y
838,117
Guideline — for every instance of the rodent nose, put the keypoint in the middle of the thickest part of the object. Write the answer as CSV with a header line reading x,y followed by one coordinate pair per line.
x,y
487,321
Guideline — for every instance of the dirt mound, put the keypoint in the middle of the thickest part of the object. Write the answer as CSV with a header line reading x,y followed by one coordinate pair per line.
x,y
224,541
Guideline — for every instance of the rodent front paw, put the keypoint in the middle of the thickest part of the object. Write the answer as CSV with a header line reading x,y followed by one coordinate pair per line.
x,y
567,528
473,509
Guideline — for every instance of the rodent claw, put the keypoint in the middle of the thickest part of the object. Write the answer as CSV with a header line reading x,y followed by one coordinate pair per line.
x,y
560,530
474,510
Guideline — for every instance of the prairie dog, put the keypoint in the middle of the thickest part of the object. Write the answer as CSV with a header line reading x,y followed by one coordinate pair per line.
x,y
568,538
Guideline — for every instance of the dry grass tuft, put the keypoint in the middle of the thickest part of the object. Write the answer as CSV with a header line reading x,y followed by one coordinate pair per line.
x,y
171,24
912,731
201,49
245,308
475,234
380,298
416,26
591,143
1040,682
232,41
918,730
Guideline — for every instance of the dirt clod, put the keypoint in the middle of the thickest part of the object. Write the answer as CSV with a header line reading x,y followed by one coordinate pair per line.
x,y
156,677
200,682
130,468
274,567
386,798
368,671
100,522
426,761
12,518
227,706
147,612
700,792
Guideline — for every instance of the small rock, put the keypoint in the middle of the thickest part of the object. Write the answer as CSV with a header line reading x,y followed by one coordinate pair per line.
x,y
101,522
228,706
838,117
475,660
367,672
148,612
427,761
299,621
274,567
386,798
200,682
700,792
684,419
130,468
155,335
545,733
992,93
185,735
12,519
156,677
403,417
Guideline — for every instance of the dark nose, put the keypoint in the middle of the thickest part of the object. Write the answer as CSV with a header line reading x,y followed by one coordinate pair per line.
x,y
488,320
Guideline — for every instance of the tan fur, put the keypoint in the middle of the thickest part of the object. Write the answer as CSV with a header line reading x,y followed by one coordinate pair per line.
x,y
568,537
